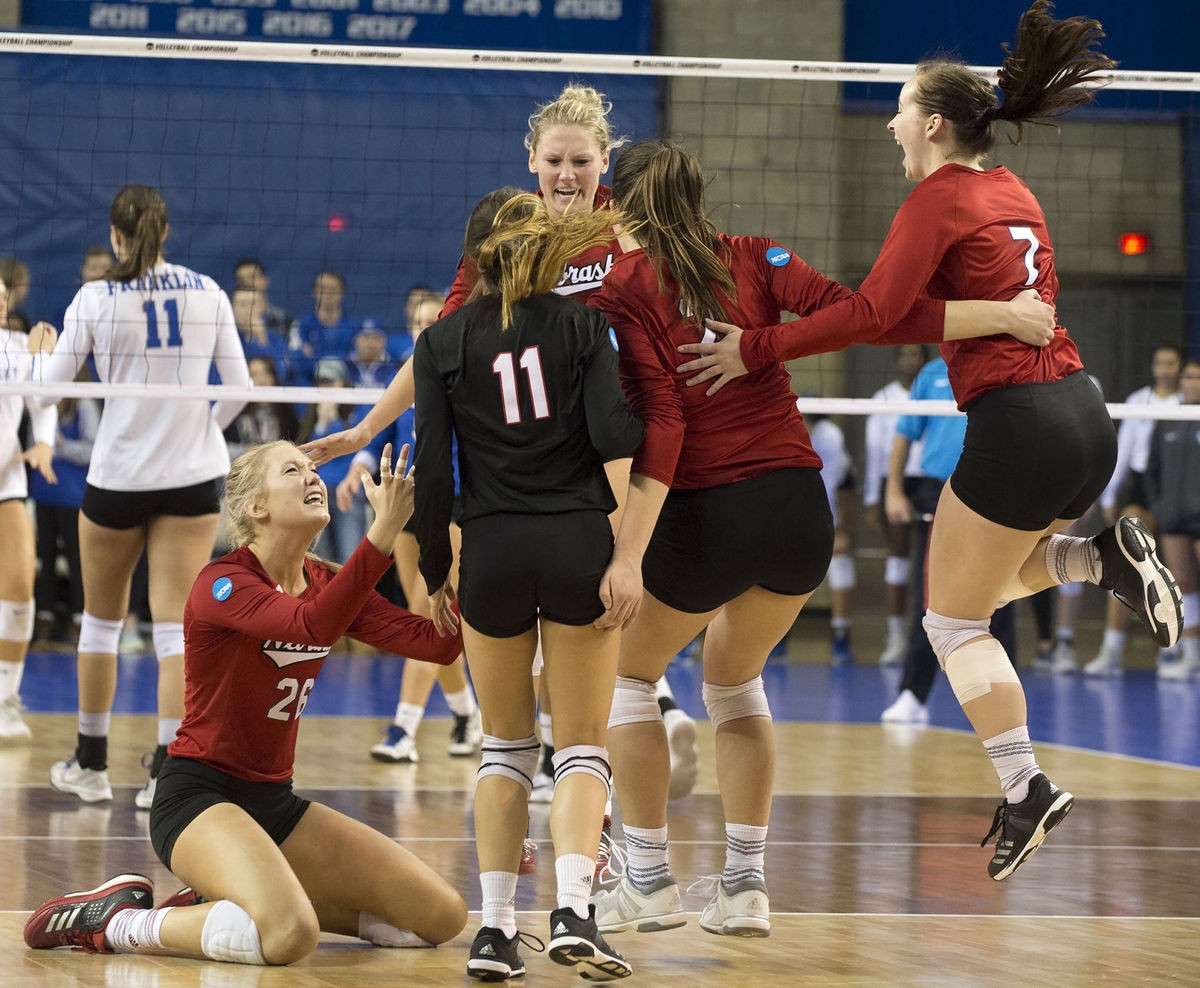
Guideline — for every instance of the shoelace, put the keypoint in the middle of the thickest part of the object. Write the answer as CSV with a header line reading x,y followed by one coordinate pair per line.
x,y
998,824
704,885
613,868
533,943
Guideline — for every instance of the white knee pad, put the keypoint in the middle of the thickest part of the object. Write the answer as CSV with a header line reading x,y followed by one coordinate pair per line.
x,y
1191,610
973,669
946,634
168,639
841,572
1070,589
585,759
98,635
726,703
634,702
16,621
896,570
516,760
229,934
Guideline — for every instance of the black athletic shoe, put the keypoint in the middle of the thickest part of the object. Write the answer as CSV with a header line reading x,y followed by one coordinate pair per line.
x,y
78,919
577,943
494,956
1130,568
1024,825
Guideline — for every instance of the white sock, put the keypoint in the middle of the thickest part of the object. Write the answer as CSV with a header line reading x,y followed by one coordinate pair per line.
x,y
647,850
895,626
1070,559
663,688
1114,642
500,901
1012,758
94,725
10,679
745,854
409,716
374,929
546,729
839,625
575,873
462,702
167,729
134,931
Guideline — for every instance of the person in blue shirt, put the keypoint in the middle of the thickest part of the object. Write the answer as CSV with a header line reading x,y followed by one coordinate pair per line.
x,y
324,332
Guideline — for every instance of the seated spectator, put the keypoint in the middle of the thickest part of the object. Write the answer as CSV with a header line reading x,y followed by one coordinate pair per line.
x,y
258,339
249,273
15,274
324,332
262,421
369,363
422,308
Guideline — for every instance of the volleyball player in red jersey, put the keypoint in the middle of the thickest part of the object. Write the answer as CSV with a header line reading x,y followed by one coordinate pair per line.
x,y
267,870
745,533
1040,445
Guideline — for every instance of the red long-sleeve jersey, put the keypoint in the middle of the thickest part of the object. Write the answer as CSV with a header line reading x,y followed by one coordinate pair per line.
x,y
253,652
960,234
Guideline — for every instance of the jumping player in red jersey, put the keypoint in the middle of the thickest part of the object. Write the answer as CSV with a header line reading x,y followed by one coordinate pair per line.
x,y
1040,445
267,870
526,381
744,534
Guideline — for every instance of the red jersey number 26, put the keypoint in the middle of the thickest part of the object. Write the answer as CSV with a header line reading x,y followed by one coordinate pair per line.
x,y
295,698
1025,234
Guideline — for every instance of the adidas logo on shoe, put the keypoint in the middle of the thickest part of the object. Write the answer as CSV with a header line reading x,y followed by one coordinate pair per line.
x,y
139,894
487,950
560,929
753,904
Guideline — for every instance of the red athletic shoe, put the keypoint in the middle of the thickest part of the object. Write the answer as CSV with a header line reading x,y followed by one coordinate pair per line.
x,y
528,863
186,896
78,919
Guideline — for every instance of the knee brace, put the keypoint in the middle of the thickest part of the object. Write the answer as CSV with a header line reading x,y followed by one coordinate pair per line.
x,y
634,702
98,635
168,639
229,934
582,758
16,621
516,760
726,703
841,572
973,669
896,570
1191,610
946,634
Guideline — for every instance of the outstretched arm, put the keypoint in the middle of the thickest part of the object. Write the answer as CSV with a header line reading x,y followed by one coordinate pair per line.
x,y
396,400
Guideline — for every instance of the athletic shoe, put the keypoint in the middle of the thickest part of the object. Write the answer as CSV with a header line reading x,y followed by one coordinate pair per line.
x,y
152,761
1043,661
131,641
466,735
840,649
1106,663
1132,571
626,908
494,956
1024,825
893,652
610,859
396,747
89,784
743,912
528,863
1064,662
78,919
1178,670
576,942
906,709
186,896
685,758
543,788
12,727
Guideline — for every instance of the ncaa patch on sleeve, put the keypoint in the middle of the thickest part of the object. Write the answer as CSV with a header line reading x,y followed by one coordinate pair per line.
x,y
778,256
222,588
612,335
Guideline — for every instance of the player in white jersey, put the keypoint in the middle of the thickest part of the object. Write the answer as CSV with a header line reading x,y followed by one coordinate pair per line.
x,y
155,468
837,474
880,434
17,546
1127,491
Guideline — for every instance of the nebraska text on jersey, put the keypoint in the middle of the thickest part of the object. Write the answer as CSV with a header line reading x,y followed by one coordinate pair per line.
x,y
584,277
289,653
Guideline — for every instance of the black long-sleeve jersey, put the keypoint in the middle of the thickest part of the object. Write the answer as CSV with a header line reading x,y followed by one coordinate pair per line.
x,y
537,409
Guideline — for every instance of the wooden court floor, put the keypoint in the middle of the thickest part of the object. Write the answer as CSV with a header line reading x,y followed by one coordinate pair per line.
x,y
874,867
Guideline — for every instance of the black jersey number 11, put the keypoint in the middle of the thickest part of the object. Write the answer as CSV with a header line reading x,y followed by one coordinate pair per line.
x,y
505,368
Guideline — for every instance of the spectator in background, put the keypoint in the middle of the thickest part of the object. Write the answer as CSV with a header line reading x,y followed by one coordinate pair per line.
x,y
250,274
258,339
97,260
262,421
1173,494
15,274
369,362
419,302
347,525
880,432
324,332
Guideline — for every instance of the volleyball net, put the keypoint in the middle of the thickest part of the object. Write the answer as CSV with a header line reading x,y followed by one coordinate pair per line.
x,y
366,161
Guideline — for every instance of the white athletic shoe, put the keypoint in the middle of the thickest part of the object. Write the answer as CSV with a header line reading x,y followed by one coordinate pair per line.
x,y
543,788
685,759
906,709
396,747
12,727
1106,663
1178,670
624,908
893,652
1064,661
90,785
145,796
745,913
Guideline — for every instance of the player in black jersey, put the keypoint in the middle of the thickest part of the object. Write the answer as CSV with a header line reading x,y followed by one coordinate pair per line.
x,y
526,381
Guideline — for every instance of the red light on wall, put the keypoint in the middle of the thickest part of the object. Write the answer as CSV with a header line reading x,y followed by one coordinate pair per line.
x,y
1132,244
337,223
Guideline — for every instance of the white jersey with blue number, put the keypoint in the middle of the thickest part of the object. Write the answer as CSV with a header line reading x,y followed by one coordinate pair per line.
x,y
15,364
168,327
